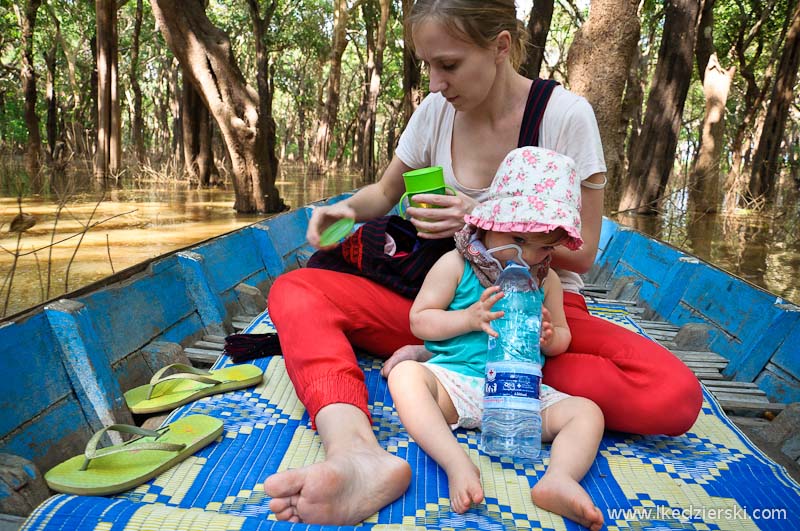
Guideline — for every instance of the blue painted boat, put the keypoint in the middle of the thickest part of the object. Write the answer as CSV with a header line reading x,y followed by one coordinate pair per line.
x,y
66,364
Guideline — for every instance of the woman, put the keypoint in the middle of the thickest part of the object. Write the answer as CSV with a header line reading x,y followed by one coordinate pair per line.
x,y
479,109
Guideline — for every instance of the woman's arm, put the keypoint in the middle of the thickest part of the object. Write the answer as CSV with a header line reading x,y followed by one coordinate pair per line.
x,y
369,202
557,342
581,261
432,321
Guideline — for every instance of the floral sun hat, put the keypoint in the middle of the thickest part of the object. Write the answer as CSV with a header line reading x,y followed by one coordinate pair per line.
x,y
534,190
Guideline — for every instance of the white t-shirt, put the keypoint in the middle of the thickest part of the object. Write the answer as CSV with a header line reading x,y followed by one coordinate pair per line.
x,y
568,127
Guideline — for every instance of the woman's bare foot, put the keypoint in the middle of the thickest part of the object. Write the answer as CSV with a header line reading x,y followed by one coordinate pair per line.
x,y
408,352
565,496
343,490
465,487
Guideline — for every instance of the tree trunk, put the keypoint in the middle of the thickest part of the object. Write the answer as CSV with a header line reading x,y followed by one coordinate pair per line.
x,y
301,125
704,187
373,73
198,160
91,132
175,98
412,93
265,86
654,153
51,127
368,14
736,183
538,28
793,156
329,115
109,131
69,57
205,54
2,114
631,119
704,47
27,23
598,63
137,124
766,161
634,96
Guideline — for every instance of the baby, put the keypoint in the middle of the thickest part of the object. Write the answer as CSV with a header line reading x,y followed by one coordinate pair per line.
x,y
533,206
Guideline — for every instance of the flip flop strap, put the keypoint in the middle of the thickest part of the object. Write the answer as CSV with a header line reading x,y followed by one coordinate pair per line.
x,y
91,451
188,373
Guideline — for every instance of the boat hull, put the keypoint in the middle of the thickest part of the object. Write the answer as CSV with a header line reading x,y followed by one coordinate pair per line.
x,y
67,363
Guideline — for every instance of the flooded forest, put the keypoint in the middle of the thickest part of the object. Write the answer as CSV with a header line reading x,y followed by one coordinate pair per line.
x,y
129,129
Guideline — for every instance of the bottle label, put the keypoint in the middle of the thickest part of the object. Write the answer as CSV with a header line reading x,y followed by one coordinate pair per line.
x,y
512,385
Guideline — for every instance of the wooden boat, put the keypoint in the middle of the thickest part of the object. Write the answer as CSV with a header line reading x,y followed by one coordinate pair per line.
x,y
66,363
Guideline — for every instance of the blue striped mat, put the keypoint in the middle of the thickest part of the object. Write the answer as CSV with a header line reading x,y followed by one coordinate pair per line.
x,y
708,479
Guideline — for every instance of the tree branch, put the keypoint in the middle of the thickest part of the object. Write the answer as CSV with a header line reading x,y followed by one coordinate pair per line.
x,y
89,227
573,12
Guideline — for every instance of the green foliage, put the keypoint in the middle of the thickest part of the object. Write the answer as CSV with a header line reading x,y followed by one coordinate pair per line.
x,y
298,41
12,124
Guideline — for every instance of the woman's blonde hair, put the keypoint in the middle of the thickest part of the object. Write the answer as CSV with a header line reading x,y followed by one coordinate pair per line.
x,y
478,21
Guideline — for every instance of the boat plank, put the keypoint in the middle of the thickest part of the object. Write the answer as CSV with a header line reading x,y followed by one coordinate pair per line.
x,y
202,355
658,335
658,325
753,422
208,345
736,385
755,399
709,376
747,406
633,305
737,390
214,339
706,364
690,355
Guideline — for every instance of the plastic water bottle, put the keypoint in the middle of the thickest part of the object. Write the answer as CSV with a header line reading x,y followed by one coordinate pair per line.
x,y
512,422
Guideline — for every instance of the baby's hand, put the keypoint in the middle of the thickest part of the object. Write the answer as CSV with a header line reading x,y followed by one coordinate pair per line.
x,y
481,314
546,333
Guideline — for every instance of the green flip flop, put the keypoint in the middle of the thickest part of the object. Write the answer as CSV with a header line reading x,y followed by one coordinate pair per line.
x,y
165,393
121,467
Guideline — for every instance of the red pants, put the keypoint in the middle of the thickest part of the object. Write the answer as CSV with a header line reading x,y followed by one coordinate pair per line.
x,y
320,315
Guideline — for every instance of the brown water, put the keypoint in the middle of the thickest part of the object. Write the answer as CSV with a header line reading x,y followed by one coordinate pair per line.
x,y
149,219
136,223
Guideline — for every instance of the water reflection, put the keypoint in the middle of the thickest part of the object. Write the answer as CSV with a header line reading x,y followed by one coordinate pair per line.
x,y
129,224
762,249
140,220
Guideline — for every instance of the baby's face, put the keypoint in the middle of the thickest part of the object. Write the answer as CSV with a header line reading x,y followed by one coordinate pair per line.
x,y
536,246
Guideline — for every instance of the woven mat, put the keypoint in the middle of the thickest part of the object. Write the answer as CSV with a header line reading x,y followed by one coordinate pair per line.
x,y
710,478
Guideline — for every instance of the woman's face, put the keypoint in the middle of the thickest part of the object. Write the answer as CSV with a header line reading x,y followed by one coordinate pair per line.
x,y
462,71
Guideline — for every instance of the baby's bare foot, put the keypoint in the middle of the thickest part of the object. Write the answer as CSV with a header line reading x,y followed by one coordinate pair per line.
x,y
464,482
343,490
565,496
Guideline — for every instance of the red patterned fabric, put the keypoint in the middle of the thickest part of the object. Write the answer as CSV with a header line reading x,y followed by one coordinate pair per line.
x,y
363,254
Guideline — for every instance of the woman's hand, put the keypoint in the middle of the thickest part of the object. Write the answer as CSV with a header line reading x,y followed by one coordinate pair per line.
x,y
480,312
445,219
322,217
